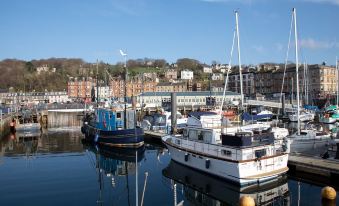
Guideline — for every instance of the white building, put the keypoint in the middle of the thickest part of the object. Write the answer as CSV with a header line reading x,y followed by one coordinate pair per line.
x,y
157,99
57,97
217,76
104,92
207,69
186,74
43,68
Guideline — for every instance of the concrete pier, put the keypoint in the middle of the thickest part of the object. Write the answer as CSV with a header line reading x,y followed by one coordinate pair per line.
x,y
316,166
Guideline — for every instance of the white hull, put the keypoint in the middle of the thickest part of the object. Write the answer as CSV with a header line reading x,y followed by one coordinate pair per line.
x,y
240,172
329,120
307,141
302,117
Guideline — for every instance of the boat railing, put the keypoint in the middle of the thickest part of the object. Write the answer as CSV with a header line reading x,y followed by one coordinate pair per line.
x,y
227,153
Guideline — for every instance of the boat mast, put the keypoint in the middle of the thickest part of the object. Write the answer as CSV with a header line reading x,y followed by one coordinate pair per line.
x,y
97,86
239,60
125,98
336,71
296,66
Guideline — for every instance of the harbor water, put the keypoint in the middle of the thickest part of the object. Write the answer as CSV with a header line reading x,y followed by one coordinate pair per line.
x,y
57,168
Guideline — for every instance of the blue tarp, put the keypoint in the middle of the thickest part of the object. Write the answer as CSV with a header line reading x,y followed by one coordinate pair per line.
x,y
310,107
248,117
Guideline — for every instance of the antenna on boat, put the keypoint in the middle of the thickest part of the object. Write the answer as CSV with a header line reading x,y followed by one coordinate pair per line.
x,y
297,65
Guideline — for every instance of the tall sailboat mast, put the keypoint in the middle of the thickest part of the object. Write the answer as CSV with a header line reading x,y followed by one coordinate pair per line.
x,y
125,90
239,60
296,66
336,70
97,86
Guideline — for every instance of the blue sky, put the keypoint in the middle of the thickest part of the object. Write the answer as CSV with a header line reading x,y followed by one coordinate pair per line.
x,y
169,29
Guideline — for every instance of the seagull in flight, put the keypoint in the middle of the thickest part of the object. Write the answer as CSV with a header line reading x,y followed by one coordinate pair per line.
x,y
122,53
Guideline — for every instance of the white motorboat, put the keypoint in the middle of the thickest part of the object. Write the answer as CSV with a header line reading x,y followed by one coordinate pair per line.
x,y
306,140
242,158
304,116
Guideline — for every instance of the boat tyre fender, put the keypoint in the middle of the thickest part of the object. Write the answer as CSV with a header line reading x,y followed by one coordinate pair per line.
x,y
186,157
208,162
96,138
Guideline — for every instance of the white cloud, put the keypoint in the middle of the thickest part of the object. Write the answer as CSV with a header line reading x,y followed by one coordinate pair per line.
x,y
226,1
129,7
315,44
258,48
279,46
335,2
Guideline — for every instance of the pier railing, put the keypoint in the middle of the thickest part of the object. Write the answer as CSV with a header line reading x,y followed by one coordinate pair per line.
x,y
268,104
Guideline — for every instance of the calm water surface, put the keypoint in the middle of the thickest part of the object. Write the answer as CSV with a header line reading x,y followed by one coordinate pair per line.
x,y
56,168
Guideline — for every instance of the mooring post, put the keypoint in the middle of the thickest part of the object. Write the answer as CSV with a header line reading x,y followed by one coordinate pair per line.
x,y
174,113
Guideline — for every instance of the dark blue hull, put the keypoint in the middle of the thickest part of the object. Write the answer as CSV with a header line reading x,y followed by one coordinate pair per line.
x,y
116,138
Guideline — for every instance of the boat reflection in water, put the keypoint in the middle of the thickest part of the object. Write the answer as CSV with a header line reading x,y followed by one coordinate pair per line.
x,y
114,162
202,189
20,144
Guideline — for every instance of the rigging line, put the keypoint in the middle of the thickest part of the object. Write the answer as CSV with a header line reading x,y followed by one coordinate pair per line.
x,y
286,59
228,71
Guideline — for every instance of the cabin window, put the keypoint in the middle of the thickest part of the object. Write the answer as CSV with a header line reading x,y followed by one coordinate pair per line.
x,y
207,136
260,153
118,115
226,152
177,141
200,135
193,134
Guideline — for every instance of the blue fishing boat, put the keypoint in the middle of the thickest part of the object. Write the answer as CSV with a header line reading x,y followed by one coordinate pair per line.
x,y
112,128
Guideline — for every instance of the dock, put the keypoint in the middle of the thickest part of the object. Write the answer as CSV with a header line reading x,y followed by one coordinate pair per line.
x,y
314,166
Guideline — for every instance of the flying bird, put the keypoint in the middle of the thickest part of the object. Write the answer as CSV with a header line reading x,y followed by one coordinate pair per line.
x,y
122,53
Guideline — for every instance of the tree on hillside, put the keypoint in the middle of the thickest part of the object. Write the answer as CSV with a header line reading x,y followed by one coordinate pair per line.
x,y
29,67
160,63
187,63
